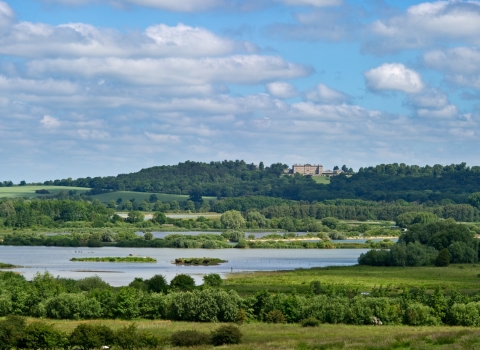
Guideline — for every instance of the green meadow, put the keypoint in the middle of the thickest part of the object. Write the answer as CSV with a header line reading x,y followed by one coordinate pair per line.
x,y
321,180
294,337
29,191
464,278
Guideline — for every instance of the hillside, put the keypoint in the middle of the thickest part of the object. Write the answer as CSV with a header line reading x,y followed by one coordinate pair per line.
x,y
412,183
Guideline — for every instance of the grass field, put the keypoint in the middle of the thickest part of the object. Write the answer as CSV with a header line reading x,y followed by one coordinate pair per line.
x,y
294,337
29,191
464,278
321,180
141,196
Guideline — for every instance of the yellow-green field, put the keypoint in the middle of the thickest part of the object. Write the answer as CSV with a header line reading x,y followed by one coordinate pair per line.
x,y
29,191
463,277
294,337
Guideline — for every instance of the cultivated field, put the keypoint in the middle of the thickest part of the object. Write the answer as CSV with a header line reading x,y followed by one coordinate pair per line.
x,y
29,191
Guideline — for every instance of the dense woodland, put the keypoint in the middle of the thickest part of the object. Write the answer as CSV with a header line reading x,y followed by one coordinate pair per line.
x,y
390,182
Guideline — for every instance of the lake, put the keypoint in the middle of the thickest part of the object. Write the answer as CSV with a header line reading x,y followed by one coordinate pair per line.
x,y
56,261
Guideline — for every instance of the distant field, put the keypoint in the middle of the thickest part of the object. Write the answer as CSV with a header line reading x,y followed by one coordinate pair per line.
x,y
140,196
29,191
321,180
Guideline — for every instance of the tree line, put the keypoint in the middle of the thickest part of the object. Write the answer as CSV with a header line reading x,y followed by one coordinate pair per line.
x,y
154,298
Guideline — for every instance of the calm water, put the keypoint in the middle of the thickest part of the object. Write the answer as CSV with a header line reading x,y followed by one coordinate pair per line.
x,y
56,261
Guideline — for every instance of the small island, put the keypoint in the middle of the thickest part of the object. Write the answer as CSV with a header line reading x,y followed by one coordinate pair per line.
x,y
199,261
7,266
129,259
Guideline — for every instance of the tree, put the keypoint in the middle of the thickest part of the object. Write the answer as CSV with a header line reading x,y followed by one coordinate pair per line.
x,y
157,284
212,280
183,283
153,198
443,258
135,216
159,218
474,200
232,219
190,206
261,166
41,335
22,183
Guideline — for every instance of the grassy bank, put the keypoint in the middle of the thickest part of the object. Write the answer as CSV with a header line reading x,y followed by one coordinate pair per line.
x,y
128,259
464,278
294,337
29,191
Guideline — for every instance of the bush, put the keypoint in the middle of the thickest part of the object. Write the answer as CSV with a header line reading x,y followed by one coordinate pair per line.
x,y
310,322
189,338
228,334
183,282
88,336
275,316
418,314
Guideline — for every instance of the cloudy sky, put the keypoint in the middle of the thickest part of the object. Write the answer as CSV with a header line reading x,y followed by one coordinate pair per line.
x,y
101,87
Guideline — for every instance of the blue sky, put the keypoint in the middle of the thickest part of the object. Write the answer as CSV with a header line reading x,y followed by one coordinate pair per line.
x,y
101,87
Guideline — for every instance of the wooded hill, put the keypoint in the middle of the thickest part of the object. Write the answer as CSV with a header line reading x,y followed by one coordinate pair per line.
x,y
412,183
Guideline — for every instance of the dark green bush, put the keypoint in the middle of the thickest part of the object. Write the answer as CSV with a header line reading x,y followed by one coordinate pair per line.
x,y
227,334
310,322
241,317
275,316
189,338
443,258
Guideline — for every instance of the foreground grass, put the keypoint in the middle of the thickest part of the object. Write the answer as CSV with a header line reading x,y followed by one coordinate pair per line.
x,y
464,278
293,336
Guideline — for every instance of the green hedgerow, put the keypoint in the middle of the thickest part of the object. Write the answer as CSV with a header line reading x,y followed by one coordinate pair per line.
x,y
189,338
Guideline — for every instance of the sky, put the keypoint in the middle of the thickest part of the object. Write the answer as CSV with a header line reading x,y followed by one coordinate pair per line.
x,y
102,87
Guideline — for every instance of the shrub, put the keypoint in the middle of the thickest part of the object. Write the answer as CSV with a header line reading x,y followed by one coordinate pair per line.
x,y
275,316
88,336
228,334
189,338
310,322
212,280
418,314
241,317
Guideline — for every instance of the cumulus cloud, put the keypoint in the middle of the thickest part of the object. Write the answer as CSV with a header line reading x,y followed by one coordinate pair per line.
x,y
171,5
333,24
323,94
315,3
50,122
27,39
281,90
238,69
394,77
446,112
425,25
432,98
40,87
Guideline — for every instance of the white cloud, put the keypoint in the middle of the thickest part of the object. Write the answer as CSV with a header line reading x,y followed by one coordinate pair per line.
x,y
461,60
446,112
162,138
50,122
425,25
238,69
27,39
323,94
315,3
172,5
7,16
40,87
281,90
394,76
432,98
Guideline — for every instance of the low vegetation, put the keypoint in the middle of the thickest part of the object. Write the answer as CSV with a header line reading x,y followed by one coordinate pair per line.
x,y
7,266
199,261
128,259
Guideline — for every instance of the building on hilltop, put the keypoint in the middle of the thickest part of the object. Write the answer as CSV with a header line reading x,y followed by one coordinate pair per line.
x,y
312,170
308,169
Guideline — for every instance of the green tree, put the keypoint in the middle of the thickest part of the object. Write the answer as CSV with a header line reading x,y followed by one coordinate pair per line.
x,y
90,336
474,200
183,283
148,236
41,335
157,284
232,219
443,258
159,218
212,280
135,216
